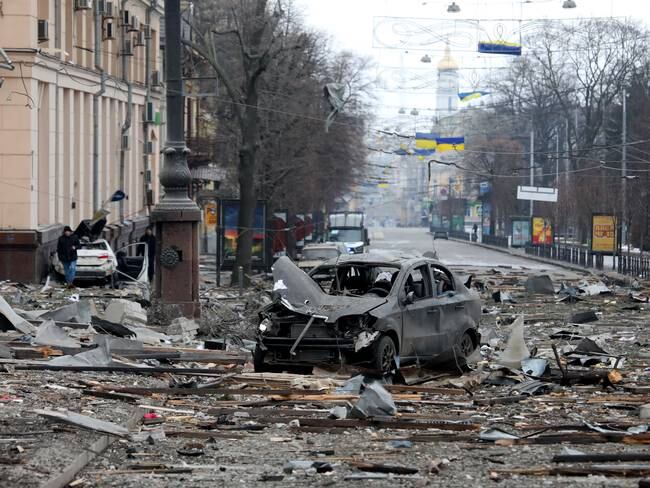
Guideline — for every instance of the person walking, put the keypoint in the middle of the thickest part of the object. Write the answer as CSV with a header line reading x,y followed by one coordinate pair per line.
x,y
66,250
150,240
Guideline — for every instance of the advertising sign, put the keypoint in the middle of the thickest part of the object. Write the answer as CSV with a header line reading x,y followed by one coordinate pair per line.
x,y
520,232
230,225
542,234
603,234
211,215
299,230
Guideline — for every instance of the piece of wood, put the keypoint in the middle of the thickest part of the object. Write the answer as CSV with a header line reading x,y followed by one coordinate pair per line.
x,y
601,458
383,468
85,422
95,449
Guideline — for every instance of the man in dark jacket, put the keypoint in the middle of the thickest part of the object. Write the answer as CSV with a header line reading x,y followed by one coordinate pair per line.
x,y
66,250
150,240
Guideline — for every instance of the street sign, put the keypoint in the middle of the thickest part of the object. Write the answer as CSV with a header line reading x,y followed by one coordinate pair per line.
x,y
537,193
603,234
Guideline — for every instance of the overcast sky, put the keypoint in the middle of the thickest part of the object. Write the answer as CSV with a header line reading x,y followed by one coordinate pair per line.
x,y
366,27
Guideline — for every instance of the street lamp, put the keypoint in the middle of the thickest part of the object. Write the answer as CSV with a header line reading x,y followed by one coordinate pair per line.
x,y
453,8
569,4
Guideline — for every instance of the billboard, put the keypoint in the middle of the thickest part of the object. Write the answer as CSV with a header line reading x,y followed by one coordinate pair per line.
x,y
603,234
542,233
520,232
230,226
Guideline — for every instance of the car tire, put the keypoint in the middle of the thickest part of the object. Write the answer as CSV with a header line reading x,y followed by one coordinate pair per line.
x,y
383,354
258,361
466,345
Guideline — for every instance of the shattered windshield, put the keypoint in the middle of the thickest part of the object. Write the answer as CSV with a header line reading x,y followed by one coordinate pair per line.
x,y
356,279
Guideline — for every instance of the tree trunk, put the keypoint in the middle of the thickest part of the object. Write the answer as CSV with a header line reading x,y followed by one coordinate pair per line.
x,y
247,191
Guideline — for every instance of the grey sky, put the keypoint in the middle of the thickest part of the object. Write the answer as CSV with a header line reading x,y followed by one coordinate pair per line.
x,y
351,23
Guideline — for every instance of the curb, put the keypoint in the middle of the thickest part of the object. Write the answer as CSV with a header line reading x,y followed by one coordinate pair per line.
x,y
550,262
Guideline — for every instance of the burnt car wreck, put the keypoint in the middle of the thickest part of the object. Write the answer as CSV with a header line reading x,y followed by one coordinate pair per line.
x,y
376,311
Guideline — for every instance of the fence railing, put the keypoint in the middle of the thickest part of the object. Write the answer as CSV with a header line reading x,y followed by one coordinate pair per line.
x,y
634,265
495,241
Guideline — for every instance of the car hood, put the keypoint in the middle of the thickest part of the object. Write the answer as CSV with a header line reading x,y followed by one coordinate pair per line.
x,y
354,244
299,293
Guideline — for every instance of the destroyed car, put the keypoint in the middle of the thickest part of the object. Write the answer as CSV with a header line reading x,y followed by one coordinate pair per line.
x,y
315,254
367,309
96,260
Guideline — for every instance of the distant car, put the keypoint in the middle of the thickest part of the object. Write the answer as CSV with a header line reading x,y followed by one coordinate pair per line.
x,y
315,254
96,260
441,234
367,309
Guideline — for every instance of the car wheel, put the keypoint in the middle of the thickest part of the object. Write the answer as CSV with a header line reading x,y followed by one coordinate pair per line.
x,y
466,345
258,361
384,354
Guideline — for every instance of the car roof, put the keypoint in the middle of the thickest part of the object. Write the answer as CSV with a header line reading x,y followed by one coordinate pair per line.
x,y
389,259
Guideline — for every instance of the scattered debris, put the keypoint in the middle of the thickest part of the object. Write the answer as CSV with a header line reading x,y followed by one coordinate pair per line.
x,y
541,284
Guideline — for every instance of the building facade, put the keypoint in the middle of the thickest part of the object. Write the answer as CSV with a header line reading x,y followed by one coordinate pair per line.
x,y
80,117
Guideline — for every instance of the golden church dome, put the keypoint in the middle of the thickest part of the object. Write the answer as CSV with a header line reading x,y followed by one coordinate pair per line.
x,y
447,63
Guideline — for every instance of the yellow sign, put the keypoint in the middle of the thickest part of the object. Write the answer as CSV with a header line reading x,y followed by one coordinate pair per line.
x,y
603,234
210,214
542,232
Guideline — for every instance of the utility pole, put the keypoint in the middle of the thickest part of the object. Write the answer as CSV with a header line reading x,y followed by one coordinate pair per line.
x,y
557,181
96,97
624,172
176,216
532,163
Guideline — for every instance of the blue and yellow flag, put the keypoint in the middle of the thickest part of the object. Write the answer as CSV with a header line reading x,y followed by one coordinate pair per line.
x,y
425,140
499,47
450,144
467,96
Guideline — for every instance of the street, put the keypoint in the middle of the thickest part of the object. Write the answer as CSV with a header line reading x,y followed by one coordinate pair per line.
x,y
450,252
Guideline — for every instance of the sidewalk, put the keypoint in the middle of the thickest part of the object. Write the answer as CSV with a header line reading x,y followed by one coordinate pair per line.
x,y
561,264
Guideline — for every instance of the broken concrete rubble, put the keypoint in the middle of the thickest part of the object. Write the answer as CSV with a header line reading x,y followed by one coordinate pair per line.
x,y
125,312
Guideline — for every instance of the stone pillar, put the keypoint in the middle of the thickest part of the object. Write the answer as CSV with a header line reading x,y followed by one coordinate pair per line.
x,y
176,216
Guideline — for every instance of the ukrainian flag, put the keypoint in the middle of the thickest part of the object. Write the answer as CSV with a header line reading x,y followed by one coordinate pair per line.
x,y
473,95
424,140
499,47
445,144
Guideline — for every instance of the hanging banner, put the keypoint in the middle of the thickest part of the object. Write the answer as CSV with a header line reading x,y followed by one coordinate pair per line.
x,y
603,234
280,229
299,230
542,232
520,232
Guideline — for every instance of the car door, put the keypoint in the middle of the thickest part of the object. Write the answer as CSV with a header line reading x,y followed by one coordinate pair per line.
x,y
133,262
419,318
451,306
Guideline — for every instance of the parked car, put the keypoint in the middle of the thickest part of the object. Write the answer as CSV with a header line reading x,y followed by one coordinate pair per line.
x,y
96,260
315,254
367,309
441,234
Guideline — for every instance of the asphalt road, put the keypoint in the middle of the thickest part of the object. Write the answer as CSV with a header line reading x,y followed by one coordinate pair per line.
x,y
451,253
